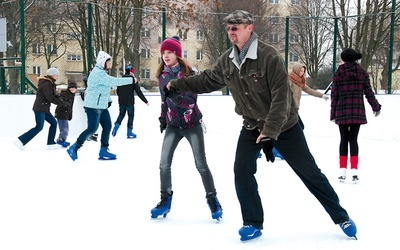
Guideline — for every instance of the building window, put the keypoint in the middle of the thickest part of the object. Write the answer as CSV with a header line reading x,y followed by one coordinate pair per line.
x,y
199,55
274,19
274,1
72,36
293,57
181,15
185,54
200,35
146,12
53,28
145,74
273,38
183,35
74,57
145,33
294,38
296,2
35,48
145,53
36,70
51,49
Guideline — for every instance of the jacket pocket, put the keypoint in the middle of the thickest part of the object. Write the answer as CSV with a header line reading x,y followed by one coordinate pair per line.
x,y
257,80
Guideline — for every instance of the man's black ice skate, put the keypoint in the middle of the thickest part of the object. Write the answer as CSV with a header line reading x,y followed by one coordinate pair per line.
x,y
163,207
349,228
215,207
249,232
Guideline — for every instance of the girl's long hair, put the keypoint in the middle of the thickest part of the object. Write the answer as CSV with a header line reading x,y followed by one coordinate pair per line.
x,y
186,69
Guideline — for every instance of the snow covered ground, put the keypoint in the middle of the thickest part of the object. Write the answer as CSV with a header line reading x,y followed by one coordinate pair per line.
x,y
49,202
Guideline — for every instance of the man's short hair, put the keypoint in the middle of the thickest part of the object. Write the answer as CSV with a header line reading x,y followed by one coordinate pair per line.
x,y
239,17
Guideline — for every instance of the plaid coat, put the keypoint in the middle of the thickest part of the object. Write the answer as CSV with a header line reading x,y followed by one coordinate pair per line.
x,y
350,83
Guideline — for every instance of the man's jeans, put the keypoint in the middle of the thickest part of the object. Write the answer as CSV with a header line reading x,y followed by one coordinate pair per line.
x,y
293,147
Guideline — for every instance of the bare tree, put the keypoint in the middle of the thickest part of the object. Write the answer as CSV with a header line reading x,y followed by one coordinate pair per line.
x,y
210,22
11,12
366,29
46,29
310,35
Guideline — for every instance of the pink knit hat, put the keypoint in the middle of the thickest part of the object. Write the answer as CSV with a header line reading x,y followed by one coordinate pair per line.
x,y
173,45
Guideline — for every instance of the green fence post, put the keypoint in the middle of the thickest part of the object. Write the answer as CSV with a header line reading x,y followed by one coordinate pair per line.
x,y
89,40
23,51
287,42
392,21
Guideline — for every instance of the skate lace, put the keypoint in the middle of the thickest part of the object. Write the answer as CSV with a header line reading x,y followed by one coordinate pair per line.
x,y
162,202
214,205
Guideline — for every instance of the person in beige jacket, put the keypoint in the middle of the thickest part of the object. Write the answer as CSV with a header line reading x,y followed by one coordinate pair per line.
x,y
298,84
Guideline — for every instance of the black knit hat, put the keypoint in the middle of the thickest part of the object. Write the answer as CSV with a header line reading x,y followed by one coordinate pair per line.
x,y
350,55
72,84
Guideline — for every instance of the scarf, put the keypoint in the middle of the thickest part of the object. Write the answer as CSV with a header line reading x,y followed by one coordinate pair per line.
x,y
299,81
240,55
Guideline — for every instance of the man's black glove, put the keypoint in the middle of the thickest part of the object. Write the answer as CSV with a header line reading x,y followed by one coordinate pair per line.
x,y
109,104
267,145
163,124
172,94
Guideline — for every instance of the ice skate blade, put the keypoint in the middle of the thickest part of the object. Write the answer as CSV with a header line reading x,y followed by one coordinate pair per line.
x,y
218,220
159,216
106,159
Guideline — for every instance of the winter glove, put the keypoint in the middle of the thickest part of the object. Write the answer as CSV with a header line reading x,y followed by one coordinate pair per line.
x,y
267,146
376,113
109,104
325,97
172,94
163,124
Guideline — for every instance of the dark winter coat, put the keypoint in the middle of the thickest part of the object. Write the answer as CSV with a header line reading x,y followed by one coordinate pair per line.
x,y
350,83
126,93
259,86
46,94
183,114
65,112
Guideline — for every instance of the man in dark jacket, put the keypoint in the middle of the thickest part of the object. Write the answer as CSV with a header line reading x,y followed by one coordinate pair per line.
x,y
258,80
126,101
45,95
64,114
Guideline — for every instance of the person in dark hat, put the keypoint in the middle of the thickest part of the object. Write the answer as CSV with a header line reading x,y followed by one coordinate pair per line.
x,y
350,55
349,86
64,114
257,76
126,101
